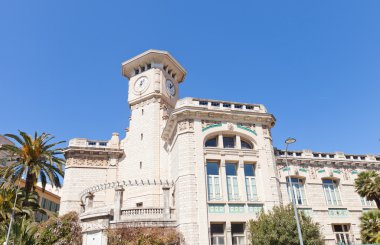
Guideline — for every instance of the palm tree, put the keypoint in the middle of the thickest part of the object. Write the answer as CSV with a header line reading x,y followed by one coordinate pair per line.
x,y
36,158
368,185
23,232
370,226
7,197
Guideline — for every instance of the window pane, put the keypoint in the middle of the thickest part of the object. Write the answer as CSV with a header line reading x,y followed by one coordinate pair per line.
x,y
212,142
237,228
246,145
212,168
230,169
217,228
229,142
327,181
249,170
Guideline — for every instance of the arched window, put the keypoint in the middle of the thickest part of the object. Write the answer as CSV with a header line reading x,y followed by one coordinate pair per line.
x,y
298,190
330,187
245,144
213,142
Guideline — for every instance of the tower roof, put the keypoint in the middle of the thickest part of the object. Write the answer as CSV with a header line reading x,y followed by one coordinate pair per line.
x,y
156,57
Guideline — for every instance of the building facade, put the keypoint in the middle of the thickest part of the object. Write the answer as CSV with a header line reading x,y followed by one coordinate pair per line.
x,y
204,167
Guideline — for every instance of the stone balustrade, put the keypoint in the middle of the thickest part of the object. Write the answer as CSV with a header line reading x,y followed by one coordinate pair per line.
x,y
220,105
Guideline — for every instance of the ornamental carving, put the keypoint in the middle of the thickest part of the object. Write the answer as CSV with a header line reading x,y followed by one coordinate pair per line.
x,y
185,125
207,123
86,161
143,103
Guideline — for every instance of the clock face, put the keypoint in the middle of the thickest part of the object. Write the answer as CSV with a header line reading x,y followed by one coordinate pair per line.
x,y
141,84
170,87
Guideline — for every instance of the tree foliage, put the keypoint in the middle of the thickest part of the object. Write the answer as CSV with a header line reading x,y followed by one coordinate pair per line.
x,y
60,230
7,197
367,185
143,236
36,158
370,226
278,227
23,231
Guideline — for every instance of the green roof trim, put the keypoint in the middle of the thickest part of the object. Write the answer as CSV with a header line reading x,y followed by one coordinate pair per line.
x,y
337,171
321,171
303,170
211,126
354,172
247,129
286,169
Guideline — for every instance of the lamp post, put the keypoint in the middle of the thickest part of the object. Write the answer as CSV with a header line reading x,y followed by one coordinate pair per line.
x,y
289,141
2,180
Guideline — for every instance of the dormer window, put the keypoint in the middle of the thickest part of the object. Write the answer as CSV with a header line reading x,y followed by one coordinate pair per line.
x,y
215,103
227,105
249,107
212,142
149,66
136,71
238,106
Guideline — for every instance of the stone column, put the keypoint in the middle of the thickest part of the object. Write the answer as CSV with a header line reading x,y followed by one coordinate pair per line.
x,y
82,207
89,200
166,192
228,234
118,203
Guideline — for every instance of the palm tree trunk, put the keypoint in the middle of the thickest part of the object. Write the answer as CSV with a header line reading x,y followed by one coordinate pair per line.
x,y
29,184
377,201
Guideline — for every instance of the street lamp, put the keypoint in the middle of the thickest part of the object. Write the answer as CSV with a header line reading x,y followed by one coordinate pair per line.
x,y
289,141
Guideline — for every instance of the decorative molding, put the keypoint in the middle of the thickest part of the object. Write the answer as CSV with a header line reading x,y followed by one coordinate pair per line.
x,y
247,127
206,124
186,125
86,161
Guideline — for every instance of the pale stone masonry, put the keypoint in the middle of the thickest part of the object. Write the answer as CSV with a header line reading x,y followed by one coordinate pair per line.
x,y
204,167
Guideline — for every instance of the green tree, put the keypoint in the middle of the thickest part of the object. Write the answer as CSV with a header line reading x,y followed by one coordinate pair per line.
x,y
370,226
36,158
278,227
23,232
60,230
367,185
7,197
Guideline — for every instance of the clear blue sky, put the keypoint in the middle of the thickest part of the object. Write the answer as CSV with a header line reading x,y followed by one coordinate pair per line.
x,y
314,64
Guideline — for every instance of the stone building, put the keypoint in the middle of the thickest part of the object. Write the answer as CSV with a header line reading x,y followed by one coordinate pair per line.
x,y
203,166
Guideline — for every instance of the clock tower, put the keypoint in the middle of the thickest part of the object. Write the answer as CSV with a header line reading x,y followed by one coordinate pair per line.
x,y
153,77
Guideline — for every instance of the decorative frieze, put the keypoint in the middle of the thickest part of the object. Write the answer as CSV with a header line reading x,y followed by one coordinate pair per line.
x,y
186,125
86,162
207,124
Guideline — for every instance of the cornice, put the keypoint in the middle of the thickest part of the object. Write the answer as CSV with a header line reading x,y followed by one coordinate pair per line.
x,y
327,162
194,112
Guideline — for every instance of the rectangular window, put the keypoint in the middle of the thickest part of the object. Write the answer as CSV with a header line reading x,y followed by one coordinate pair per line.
x,y
232,182
217,234
342,234
298,190
365,202
250,182
331,192
213,181
237,231
228,142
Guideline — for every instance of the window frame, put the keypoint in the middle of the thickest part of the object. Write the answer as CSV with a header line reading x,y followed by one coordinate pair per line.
x,y
328,189
300,191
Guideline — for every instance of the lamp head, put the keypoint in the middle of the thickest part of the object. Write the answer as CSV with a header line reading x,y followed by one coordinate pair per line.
x,y
290,141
